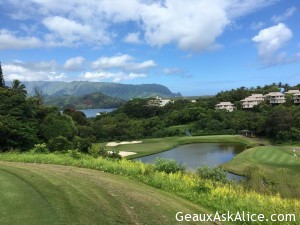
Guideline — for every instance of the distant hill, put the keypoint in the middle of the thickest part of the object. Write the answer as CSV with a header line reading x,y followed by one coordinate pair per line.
x,y
80,88
90,101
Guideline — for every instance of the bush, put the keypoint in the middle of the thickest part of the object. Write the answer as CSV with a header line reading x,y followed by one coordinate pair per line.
x,y
214,174
75,154
59,143
40,148
168,166
82,144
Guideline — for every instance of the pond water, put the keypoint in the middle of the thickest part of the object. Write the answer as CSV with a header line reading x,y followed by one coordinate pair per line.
x,y
200,154
93,112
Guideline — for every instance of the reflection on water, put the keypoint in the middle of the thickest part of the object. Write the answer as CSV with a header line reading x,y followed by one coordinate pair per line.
x,y
200,154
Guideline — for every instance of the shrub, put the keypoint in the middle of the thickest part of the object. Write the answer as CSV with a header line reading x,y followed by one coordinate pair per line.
x,y
40,148
59,143
75,154
214,174
82,144
168,166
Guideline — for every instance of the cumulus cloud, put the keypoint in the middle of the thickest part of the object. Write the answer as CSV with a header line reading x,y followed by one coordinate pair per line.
x,y
31,72
133,38
287,14
124,62
192,25
74,63
270,40
9,40
117,77
69,32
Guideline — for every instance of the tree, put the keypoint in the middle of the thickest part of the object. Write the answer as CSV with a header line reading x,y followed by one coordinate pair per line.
x,y
2,82
19,88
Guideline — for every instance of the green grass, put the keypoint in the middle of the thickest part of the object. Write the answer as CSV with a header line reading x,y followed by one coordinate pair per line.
x,y
155,145
277,163
210,195
34,194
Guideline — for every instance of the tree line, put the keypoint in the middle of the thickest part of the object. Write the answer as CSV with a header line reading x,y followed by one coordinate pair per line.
x,y
26,121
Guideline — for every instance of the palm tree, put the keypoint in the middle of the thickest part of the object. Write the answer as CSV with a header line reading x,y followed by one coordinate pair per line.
x,y
18,87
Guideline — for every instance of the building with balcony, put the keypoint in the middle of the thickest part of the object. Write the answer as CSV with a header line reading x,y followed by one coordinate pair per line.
x,y
276,98
251,101
228,106
296,98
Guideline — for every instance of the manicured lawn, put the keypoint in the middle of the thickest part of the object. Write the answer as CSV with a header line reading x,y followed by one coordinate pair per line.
x,y
35,194
155,145
276,162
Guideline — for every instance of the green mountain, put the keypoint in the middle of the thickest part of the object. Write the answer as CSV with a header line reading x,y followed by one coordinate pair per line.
x,y
80,88
94,100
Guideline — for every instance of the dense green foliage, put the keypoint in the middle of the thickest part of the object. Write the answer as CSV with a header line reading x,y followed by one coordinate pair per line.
x,y
94,100
140,118
25,121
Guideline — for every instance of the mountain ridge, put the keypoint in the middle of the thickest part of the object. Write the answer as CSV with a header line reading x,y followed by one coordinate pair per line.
x,y
81,88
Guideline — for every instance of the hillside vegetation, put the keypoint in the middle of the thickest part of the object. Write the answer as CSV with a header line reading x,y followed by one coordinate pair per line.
x,y
90,101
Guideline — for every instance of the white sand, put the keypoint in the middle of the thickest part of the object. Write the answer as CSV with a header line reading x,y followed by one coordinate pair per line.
x,y
114,144
124,154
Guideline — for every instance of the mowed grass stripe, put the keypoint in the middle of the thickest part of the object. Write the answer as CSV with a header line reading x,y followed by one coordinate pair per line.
x,y
74,196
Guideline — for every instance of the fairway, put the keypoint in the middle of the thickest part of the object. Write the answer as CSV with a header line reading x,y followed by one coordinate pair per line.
x,y
36,194
276,162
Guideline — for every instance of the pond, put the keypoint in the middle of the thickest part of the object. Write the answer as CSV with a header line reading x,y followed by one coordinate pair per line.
x,y
200,154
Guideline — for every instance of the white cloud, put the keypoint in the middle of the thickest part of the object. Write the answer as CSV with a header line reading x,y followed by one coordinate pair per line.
x,y
31,71
133,38
69,32
74,63
270,40
192,25
287,14
9,40
124,62
117,77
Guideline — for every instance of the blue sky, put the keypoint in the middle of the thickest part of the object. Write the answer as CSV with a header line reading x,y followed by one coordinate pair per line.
x,y
195,47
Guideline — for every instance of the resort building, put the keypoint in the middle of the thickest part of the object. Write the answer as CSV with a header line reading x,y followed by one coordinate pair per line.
x,y
159,102
276,98
252,100
228,106
292,92
296,98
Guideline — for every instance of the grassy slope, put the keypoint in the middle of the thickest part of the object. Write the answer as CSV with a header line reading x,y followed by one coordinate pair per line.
x,y
47,194
155,145
276,162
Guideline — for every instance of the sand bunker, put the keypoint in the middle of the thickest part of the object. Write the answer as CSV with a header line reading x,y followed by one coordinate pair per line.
x,y
113,144
124,154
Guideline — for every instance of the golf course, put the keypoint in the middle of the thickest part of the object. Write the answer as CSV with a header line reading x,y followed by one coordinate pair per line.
x,y
76,188
34,194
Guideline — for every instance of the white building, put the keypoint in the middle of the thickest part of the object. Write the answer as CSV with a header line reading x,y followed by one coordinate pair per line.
x,y
228,106
252,100
292,92
276,97
296,98
159,102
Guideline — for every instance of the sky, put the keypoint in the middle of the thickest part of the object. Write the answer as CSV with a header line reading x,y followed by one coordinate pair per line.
x,y
195,47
